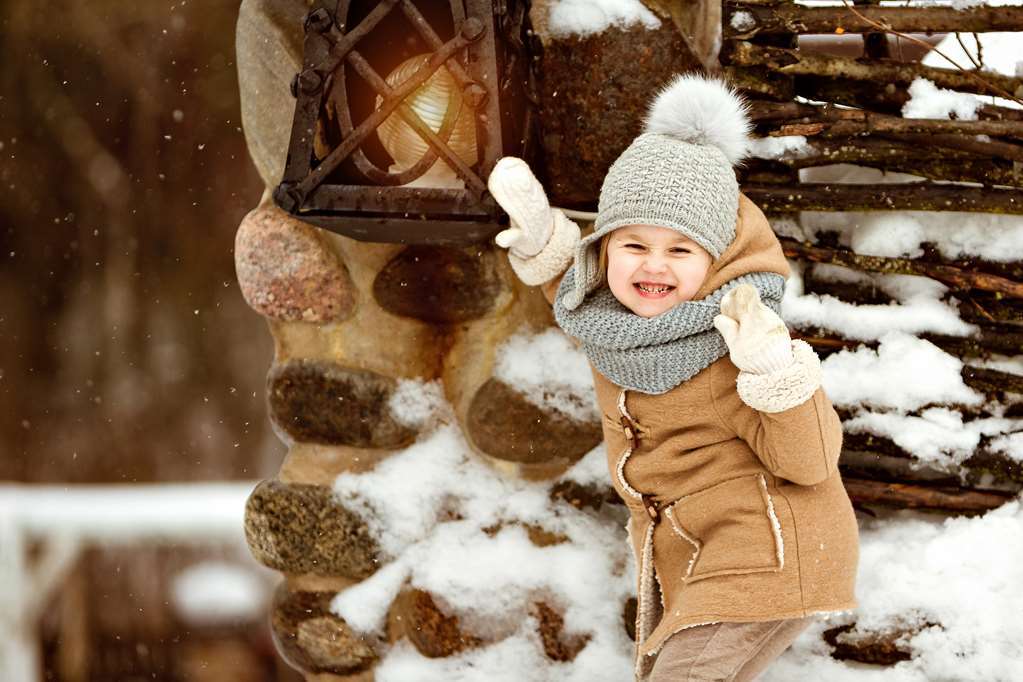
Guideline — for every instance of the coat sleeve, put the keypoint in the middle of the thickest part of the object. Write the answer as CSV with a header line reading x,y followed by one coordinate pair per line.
x,y
785,417
546,268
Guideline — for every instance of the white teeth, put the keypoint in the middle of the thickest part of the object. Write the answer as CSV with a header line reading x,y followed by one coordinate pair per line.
x,y
653,291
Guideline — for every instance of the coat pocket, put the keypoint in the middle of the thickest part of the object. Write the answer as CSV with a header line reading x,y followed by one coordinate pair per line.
x,y
732,526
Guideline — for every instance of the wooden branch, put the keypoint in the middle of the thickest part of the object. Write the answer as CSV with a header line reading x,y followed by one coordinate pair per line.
x,y
987,381
955,278
1010,270
758,81
979,468
798,63
931,162
993,112
915,496
1000,321
992,380
981,346
912,495
854,93
853,122
917,196
978,309
765,112
995,148
798,19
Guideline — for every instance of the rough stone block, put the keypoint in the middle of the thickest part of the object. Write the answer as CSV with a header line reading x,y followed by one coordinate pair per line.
x,y
552,634
312,639
287,272
594,93
504,425
439,284
433,633
302,529
321,402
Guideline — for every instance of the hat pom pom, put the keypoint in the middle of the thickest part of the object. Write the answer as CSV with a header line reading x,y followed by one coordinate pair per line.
x,y
701,110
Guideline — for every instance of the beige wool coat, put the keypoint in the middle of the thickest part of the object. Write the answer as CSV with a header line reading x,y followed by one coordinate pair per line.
x,y
737,514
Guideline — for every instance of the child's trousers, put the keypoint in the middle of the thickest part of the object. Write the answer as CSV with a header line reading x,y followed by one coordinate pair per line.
x,y
724,652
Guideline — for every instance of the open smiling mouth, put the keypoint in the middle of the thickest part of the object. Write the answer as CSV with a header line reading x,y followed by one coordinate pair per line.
x,y
653,291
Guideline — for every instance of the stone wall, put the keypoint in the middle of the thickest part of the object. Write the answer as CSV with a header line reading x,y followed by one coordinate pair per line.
x,y
352,320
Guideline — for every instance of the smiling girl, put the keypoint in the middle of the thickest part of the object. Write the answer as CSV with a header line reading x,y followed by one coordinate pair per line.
x,y
720,439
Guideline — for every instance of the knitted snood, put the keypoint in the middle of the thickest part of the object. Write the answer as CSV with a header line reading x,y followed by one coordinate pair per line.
x,y
655,354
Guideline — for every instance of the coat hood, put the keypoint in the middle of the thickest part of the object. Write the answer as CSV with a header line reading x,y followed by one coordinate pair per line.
x,y
755,249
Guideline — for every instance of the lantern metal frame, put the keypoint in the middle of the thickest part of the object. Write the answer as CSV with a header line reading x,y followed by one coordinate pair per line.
x,y
379,208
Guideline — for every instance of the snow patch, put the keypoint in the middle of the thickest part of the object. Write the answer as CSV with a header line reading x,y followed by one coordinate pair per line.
x,y
926,100
956,234
416,403
918,305
550,371
583,17
904,373
785,146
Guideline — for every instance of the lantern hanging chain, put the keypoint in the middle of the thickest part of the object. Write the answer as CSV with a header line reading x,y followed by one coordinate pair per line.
x,y
888,29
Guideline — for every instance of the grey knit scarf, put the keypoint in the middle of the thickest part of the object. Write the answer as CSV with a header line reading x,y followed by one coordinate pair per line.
x,y
655,354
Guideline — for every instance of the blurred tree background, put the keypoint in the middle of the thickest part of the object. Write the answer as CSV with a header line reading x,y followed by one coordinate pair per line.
x,y
127,354
126,350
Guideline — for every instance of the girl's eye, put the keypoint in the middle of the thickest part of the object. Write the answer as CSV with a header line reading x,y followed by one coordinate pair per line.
x,y
629,246
680,250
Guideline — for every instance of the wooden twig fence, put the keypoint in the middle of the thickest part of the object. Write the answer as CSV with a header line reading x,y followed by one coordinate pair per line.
x,y
848,109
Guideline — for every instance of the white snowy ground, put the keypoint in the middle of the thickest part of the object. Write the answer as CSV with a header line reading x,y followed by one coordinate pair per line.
x,y
431,501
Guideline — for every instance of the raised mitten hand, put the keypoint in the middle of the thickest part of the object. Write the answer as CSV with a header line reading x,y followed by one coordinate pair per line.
x,y
522,197
758,340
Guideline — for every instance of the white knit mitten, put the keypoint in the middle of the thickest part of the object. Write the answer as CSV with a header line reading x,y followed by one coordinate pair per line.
x,y
541,240
758,340
522,197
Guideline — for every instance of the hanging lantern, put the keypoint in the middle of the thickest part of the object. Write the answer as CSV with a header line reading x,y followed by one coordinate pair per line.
x,y
402,110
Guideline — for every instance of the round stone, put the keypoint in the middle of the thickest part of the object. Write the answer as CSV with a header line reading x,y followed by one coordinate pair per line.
x,y
322,402
312,639
438,284
504,425
298,528
287,272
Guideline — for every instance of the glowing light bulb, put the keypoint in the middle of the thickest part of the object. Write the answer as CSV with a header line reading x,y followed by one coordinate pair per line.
x,y
430,101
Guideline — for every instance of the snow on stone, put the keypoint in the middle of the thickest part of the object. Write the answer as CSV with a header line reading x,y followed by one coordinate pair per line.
x,y
960,572
212,593
429,505
784,146
591,469
904,373
550,371
997,238
416,403
582,17
364,605
918,306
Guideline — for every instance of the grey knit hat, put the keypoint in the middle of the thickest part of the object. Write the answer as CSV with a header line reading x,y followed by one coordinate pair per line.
x,y
678,173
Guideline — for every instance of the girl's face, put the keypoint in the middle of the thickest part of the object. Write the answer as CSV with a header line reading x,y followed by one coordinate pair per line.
x,y
652,269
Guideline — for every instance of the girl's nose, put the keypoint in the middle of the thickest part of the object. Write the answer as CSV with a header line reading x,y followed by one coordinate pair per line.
x,y
655,263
